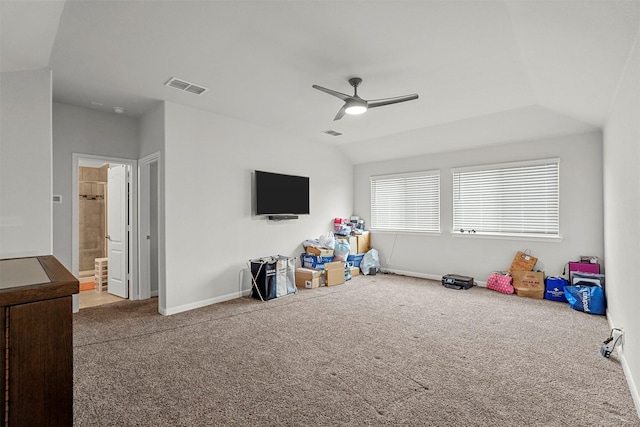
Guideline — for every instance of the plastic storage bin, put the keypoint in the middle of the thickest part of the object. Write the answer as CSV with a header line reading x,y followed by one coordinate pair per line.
x,y
355,259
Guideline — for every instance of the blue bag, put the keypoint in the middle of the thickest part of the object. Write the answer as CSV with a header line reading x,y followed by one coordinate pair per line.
x,y
587,297
554,288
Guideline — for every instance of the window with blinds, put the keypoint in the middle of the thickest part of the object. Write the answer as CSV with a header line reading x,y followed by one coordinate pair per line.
x,y
406,202
518,199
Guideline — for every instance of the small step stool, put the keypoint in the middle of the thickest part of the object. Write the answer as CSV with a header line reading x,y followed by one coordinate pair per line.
x,y
101,278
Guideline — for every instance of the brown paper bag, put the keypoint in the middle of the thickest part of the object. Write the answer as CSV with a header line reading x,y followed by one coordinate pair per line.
x,y
528,283
523,262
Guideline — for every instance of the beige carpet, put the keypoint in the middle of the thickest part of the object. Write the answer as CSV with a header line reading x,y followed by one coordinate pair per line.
x,y
379,350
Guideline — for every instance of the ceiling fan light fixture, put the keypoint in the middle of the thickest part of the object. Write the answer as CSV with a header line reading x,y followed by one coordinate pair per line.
x,y
354,107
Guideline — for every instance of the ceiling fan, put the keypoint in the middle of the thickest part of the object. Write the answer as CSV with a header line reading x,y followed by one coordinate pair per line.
x,y
356,105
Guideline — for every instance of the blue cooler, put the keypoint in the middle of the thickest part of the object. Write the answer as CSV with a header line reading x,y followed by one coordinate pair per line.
x,y
355,259
554,289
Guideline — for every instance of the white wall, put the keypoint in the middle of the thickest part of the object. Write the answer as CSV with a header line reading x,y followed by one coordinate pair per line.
x,y
581,213
210,230
152,131
25,164
85,131
152,136
622,215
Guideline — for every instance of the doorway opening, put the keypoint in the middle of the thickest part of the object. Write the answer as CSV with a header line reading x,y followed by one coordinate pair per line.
x,y
92,210
93,232
104,247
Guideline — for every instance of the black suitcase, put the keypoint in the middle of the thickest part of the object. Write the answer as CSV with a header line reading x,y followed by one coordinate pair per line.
x,y
455,281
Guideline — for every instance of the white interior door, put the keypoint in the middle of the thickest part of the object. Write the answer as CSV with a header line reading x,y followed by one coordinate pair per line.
x,y
117,231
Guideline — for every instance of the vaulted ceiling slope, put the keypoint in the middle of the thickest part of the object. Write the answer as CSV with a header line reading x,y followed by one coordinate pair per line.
x,y
486,72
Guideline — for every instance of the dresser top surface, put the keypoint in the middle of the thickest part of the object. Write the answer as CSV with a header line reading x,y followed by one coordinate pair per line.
x,y
21,272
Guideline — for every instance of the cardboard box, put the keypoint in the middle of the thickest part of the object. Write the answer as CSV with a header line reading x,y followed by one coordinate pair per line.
x,y
355,271
363,244
308,278
319,251
312,261
334,273
353,243
358,244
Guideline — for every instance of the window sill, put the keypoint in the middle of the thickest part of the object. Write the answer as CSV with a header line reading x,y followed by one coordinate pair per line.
x,y
423,233
519,237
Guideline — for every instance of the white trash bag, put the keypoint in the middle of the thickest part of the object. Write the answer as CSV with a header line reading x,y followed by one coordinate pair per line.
x,y
341,250
327,240
370,261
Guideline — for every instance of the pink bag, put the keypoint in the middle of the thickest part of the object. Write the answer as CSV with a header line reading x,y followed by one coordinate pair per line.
x,y
501,283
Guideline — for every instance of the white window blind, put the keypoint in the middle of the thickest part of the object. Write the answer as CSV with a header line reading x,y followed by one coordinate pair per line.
x,y
511,199
406,202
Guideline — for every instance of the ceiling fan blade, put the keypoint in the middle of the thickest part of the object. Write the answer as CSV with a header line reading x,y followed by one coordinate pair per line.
x,y
380,102
332,92
340,113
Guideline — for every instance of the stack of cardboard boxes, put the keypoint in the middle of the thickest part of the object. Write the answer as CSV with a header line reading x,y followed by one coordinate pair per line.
x,y
319,269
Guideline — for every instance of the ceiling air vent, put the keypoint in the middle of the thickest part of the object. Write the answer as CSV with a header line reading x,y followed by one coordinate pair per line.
x,y
332,132
186,86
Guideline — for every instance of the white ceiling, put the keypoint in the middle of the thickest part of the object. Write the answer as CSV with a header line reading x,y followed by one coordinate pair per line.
x,y
487,72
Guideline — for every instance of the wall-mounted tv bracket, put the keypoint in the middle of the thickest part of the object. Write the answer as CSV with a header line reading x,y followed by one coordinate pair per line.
x,y
282,217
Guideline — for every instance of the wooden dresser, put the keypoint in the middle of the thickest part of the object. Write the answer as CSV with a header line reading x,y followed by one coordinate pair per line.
x,y
37,347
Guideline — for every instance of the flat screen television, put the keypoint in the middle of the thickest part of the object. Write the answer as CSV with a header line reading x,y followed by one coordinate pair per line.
x,y
279,194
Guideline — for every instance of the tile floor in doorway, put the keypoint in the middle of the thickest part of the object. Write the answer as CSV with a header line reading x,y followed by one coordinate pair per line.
x,y
92,298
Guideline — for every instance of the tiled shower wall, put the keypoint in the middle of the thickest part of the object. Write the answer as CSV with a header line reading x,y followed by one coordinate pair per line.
x,y
92,215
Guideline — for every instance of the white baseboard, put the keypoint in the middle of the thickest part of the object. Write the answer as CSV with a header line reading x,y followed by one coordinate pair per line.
x,y
203,303
633,388
154,293
423,275
632,385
